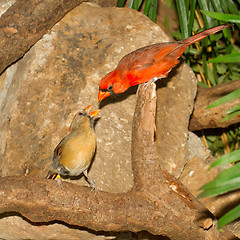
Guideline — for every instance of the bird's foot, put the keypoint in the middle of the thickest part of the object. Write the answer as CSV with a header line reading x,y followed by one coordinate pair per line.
x,y
147,84
91,182
93,185
59,181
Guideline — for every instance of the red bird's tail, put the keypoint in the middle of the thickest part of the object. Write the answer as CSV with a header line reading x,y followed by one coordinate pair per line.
x,y
204,34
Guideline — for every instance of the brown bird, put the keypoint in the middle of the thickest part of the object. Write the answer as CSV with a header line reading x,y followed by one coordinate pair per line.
x,y
74,153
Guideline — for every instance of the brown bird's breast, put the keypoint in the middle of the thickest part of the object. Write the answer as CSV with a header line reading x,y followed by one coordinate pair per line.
x,y
78,151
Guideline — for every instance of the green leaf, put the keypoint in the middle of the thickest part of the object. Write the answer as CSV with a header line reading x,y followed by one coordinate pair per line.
x,y
182,14
146,7
230,174
130,3
233,109
229,217
227,98
211,192
230,115
230,58
137,4
233,9
221,68
191,17
227,158
152,13
226,181
223,17
120,3
217,5
204,7
211,75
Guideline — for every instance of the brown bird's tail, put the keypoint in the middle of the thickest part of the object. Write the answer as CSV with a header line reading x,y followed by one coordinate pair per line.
x,y
204,34
51,175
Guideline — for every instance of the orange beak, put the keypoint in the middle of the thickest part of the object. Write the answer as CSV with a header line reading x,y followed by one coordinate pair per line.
x,y
87,109
94,113
102,95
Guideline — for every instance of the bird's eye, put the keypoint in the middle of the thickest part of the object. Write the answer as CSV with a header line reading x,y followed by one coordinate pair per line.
x,y
80,114
110,87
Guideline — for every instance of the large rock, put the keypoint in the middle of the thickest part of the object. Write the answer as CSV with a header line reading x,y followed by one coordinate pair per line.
x,y
58,77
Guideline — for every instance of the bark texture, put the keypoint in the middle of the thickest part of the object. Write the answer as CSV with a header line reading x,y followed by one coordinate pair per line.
x,y
23,24
203,118
157,203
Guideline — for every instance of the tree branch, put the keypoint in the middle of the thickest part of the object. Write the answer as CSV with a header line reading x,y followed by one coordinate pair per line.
x,y
23,24
155,200
203,118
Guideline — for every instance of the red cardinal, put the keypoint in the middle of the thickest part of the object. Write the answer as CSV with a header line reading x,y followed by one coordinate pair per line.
x,y
148,63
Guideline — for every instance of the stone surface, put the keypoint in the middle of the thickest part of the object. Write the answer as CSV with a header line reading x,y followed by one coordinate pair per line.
x,y
53,231
174,107
59,76
4,5
195,174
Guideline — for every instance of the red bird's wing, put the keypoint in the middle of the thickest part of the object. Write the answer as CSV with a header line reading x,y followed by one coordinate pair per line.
x,y
148,62
139,59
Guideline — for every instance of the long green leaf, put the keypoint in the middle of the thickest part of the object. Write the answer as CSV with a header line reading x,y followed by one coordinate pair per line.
x,y
146,7
152,14
191,17
227,98
223,17
137,4
227,158
224,6
229,217
231,115
226,181
233,9
221,189
230,58
228,174
120,3
210,75
233,109
204,7
182,13
130,3
217,5
218,8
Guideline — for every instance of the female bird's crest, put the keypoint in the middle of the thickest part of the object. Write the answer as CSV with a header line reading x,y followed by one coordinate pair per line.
x,y
79,117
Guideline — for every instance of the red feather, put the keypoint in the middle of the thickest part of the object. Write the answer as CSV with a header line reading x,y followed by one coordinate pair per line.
x,y
146,63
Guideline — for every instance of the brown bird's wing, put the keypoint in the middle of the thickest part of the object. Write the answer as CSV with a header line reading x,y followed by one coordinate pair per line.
x,y
53,171
58,150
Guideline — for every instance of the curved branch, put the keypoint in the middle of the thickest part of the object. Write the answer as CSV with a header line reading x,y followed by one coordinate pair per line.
x,y
155,200
203,118
23,24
